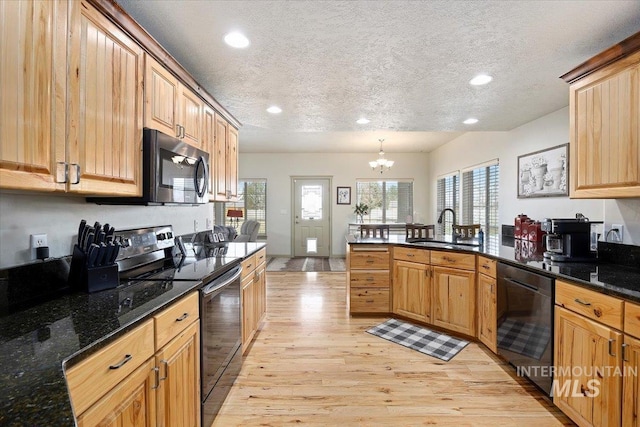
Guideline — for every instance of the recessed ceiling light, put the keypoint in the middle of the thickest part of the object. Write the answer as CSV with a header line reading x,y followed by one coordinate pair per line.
x,y
470,121
362,121
481,79
236,39
274,109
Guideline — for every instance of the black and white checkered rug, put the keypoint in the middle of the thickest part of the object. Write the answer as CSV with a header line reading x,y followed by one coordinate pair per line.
x,y
524,338
421,339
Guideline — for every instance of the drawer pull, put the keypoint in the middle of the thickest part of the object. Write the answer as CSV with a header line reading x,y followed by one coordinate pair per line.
x,y
122,362
370,261
446,258
370,279
181,318
611,341
624,352
166,370
486,267
411,255
579,301
368,300
156,371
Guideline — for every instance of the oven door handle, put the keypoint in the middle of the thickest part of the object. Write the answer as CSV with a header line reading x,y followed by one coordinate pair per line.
x,y
215,285
523,285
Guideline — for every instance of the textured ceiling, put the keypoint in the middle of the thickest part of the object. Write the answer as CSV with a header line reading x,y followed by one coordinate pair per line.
x,y
405,65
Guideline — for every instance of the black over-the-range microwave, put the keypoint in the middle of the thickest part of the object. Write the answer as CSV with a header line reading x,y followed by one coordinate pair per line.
x,y
174,172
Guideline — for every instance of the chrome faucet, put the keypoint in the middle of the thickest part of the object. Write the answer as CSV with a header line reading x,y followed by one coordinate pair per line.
x,y
442,216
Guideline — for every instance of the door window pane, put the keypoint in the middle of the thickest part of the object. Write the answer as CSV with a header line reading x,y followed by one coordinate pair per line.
x,y
311,202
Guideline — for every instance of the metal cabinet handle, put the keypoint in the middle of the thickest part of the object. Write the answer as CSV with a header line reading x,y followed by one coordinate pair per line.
x,y
181,318
77,171
62,172
370,279
624,352
611,341
579,301
178,131
166,371
156,371
486,267
411,255
122,362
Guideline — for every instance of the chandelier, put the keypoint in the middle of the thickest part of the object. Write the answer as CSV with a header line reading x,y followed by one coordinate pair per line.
x,y
381,163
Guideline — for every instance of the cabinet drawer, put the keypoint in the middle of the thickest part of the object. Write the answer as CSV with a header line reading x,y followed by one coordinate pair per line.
x,y
90,379
248,265
374,258
632,319
261,256
175,319
411,254
487,266
370,278
453,259
594,305
365,300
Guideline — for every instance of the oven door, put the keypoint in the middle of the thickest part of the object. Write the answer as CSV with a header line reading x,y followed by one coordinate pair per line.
x,y
220,336
179,173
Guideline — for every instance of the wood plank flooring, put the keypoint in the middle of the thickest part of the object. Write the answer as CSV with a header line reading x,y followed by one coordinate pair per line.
x,y
312,364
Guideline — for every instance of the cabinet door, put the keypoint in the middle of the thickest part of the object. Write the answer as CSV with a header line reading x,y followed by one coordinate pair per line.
x,y
132,403
487,311
105,106
221,158
208,145
179,391
232,162
260,293
454,299
581,351
605,132
411,296
248,312
190,117
631,383
33,72
160,96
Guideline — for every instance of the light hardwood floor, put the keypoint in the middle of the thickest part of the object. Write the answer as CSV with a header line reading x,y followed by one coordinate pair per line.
x,y
313,364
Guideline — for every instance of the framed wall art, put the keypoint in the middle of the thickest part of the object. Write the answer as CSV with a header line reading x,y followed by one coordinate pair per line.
x,y
344,196
544,173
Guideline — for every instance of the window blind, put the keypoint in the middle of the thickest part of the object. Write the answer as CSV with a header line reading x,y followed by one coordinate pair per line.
x,y
447,197
252,200
480,187
388,201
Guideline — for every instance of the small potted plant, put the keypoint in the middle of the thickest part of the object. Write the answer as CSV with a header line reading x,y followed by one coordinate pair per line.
x,y
360,209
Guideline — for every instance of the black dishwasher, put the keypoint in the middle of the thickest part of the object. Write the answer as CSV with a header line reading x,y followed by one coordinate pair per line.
x,y
525,323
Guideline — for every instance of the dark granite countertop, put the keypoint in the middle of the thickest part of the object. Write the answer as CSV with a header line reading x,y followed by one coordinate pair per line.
x,y
38,343
605,277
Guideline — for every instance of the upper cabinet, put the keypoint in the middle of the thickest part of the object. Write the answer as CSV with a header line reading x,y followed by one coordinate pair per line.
x,y
33,72
604,123
170,106
105,106
226,160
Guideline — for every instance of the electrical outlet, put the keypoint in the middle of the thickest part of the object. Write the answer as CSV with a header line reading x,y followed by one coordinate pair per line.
x,y
38,240
195,225
620,229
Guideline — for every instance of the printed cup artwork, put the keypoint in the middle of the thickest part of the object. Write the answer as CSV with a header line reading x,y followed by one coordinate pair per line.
x,y
544,173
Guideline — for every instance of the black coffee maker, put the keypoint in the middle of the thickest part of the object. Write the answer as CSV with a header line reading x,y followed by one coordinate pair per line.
x,y
570,239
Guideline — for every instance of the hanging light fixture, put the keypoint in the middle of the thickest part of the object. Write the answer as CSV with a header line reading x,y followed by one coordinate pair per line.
x,y
381,163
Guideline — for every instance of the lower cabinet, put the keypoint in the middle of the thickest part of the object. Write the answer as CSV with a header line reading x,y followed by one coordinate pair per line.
x,y
487,319
411,290
454,299
631,383
253,295
131,382
583,349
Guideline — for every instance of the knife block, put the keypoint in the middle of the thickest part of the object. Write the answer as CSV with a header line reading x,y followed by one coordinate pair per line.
x,y
91,279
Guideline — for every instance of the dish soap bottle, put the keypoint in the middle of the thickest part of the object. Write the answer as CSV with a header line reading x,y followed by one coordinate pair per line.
x,y
481,239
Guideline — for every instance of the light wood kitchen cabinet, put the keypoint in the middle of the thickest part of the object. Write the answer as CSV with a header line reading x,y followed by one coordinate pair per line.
x,y
33,73
170,106
149,376
454,299
487,311
631,382
582,348
226,160
253,295
208,145
604,125
411,292
369,278
105,106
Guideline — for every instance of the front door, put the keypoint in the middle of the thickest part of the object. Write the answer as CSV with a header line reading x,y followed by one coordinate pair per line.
x,y
311,217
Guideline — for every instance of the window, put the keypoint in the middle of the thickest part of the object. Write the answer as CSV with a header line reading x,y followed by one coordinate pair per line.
x,y
388,201
447,197
480,200
252,201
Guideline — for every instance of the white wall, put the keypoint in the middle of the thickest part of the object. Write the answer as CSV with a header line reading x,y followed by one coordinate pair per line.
x,y
60,215
547,131
344,169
